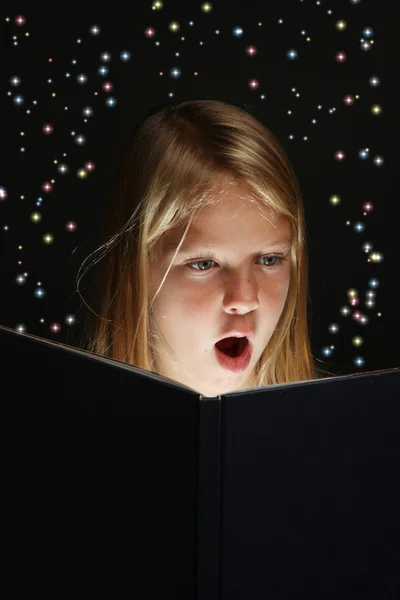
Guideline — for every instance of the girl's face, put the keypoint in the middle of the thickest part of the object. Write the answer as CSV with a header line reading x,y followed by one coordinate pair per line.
x,y
226,277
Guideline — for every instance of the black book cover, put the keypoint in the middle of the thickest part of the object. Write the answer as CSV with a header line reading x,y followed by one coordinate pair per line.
x,y
273,492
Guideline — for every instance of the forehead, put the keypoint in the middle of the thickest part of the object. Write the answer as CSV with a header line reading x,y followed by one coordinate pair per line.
x,y
235,216
234,208
237,202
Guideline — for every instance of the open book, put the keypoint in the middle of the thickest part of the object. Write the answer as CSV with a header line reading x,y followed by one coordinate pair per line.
x,y
62,354
280,491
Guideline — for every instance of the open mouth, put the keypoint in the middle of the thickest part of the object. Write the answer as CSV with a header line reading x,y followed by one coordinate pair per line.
x,y
232,346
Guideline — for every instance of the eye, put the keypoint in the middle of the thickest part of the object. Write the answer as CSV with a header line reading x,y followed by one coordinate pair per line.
x,y
200,262
278,259
203,262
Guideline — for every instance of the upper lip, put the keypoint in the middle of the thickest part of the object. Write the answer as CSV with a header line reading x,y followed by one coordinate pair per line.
x,y
248,333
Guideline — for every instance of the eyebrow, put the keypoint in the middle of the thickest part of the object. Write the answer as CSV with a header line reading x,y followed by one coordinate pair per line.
x,y
170,247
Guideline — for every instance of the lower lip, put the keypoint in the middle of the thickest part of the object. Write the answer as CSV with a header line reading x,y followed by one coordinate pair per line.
x,y
237,364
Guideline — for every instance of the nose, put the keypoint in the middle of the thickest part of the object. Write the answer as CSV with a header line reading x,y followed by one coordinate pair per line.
x,y
240,294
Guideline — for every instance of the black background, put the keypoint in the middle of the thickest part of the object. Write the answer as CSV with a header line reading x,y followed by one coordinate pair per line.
x,y
337,261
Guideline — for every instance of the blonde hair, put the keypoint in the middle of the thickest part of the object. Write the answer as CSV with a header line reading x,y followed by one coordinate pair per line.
x,y
167,171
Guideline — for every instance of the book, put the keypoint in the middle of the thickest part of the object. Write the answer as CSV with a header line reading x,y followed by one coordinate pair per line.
x,y
270,492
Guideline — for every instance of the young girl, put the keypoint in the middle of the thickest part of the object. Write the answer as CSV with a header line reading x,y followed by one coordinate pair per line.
x,y
205,243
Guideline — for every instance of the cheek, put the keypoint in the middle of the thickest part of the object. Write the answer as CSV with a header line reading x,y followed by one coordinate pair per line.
x,y
199,299
284,289
274,296
180,302
194,307
283,296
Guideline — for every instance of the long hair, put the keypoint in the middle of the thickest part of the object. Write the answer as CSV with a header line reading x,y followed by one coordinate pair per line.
x,y
167,170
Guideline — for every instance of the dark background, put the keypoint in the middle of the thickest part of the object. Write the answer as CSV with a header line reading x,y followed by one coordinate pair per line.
x,y
338,262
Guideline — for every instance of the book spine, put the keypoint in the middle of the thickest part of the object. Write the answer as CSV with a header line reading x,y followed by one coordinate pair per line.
x,y
209,481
